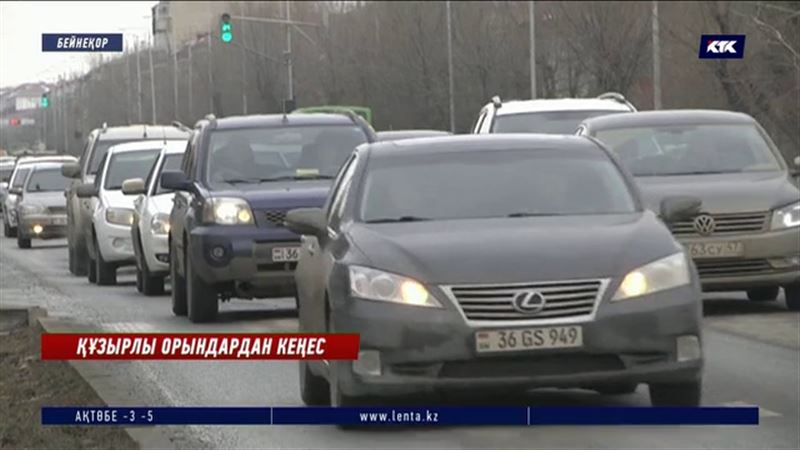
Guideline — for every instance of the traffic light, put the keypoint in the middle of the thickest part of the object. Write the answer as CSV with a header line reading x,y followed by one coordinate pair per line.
x,y
45,101
14,121
226,30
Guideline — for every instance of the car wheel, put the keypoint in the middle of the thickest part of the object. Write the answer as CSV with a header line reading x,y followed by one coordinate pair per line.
x,y
106,273
150,284
91,273
201,296
138,281
617,389
79,258
71,258
23,242
792,292
313,388
6,229
12,232
763,294
677,394
178,288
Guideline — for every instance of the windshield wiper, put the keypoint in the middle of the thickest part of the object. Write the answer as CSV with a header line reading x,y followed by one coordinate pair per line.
x,y
399,219
240,180
695,172
528,214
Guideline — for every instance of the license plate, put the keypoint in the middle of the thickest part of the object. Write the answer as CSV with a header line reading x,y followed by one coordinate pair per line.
x,y
528,339
728,249
60,221
284,254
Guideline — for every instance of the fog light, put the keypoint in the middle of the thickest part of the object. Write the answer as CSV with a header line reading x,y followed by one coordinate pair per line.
x,y
162,257
368,363
118,242
218,252
688,348
37,229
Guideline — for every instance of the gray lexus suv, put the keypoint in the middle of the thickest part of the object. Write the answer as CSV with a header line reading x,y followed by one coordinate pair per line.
x,y
747,233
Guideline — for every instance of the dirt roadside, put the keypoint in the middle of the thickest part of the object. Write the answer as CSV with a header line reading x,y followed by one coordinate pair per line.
x,y
27,384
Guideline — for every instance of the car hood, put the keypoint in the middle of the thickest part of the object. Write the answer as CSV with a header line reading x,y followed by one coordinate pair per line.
x,y
116,199
515,250
723,193
47,199
281,194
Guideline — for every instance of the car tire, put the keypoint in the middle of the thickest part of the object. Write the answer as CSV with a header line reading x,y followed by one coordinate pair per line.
x,y
201,297
71,259
313,388
617,389
23,242
12,231
6,229
91,272
106,272
178,289
139,281
763,294
150,284
676,394
792,292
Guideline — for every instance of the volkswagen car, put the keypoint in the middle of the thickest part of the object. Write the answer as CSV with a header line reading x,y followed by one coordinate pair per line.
x,y
746,237
496,262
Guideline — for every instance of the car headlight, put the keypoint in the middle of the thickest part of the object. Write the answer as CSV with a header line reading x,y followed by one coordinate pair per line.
x,y
372,284
119,216
786,217
26,209
665,273
227,211
159,224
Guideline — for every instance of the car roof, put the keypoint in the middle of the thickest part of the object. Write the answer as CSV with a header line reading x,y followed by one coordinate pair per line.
x,y
559,104
144,145
483,143
409,134
143,131
46,165
32,159
276,120
668,117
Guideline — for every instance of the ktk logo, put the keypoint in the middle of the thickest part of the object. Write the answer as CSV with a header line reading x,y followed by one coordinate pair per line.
x,y
722,46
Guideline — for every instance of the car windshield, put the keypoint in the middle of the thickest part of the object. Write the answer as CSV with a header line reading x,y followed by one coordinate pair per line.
x,y
547,122
255,155
100,150
496,183
171,162
125,165
47,180
691,149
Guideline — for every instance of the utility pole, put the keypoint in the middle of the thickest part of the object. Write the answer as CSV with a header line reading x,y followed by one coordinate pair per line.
x,y
189,82
174,49
289,80
128,86
532,21
656,59
65,114
450,67
138,80
210,64
244,67
152,82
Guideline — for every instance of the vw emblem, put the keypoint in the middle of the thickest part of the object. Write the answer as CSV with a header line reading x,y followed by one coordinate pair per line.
x,y
704,224
529,302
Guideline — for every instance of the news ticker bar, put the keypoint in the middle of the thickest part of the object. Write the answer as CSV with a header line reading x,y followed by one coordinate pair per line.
x,y
515,415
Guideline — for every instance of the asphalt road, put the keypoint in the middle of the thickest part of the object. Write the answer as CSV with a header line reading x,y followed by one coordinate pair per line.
x,y
752,358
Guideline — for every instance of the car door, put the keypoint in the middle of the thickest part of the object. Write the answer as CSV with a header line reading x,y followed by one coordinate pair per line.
x,y
316,261
181,203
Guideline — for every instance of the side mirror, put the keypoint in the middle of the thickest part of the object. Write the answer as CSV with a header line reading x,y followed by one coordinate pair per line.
x,y
795,171
71,170
307,221
133,186
86,190
15,191
175,180
674,209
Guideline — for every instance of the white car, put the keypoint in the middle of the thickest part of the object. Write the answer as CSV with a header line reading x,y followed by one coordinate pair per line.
x,y
150,229
548,116
15,185
109,244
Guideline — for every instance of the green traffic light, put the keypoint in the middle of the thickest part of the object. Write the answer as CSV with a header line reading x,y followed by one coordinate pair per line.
x,y
45,102
227,32
227,36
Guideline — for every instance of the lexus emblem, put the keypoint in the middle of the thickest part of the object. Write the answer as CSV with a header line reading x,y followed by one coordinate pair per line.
x,y
529,302
704,224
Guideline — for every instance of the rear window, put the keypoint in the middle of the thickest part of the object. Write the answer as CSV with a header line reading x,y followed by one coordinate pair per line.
x,y
46,180
135,164
547,122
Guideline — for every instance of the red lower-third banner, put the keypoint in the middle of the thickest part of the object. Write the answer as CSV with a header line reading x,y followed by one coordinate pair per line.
x,y
57,346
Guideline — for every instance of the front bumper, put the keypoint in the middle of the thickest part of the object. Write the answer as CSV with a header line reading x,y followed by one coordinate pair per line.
x,y
48,226
426,349
155,248
769,259
246,258
115,243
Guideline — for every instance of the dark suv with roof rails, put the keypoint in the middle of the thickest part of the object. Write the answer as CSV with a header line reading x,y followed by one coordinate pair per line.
x,y
79,209
239,177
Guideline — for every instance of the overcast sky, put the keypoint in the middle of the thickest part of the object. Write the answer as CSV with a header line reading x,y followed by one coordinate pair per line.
x,y
22,25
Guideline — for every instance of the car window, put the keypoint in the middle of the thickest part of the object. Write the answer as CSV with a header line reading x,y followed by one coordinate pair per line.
x,y
19,178
125,165
253,155
691,149
5,173
495,183
100,150
337,204
46,180
548,122
171,162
